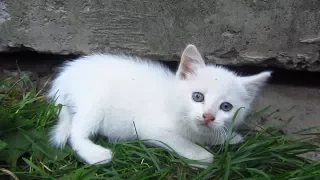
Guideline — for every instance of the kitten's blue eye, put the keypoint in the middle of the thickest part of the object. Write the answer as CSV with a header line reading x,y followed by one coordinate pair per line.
x,y
225,106
198,97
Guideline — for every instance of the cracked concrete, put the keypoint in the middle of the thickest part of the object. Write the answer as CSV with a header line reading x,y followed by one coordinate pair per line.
x,y
279,33
4,15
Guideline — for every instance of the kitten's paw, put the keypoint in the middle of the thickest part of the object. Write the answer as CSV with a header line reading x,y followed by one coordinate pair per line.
x,y
198,166
97,156
204,157
236,138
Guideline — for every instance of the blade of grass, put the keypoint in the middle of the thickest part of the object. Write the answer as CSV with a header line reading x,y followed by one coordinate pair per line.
x,y
38,169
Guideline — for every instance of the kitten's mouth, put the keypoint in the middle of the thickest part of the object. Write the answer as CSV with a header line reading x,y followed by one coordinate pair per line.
x,y
204,129
203,124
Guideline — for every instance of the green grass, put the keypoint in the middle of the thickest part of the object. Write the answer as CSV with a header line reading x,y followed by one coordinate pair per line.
x,y
26,117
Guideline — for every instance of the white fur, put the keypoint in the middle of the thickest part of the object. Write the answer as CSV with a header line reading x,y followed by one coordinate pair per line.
x,y
105,94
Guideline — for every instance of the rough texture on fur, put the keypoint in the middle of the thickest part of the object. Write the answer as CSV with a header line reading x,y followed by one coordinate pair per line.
x,y
105,94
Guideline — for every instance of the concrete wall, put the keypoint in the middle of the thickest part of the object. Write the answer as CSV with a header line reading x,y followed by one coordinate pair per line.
x,y
282,33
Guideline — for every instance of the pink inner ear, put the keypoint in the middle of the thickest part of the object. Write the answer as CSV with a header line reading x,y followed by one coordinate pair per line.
x,y
186,67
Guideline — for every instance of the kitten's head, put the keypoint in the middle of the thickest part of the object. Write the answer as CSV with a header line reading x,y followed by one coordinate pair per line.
x,y
214,94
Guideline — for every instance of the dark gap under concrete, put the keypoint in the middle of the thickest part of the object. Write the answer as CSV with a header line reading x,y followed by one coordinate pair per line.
x,y
43,63
279,76
29,60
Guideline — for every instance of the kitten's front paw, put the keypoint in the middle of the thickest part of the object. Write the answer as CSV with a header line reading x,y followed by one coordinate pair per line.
x,y
236,138
205,156
97,155
202,156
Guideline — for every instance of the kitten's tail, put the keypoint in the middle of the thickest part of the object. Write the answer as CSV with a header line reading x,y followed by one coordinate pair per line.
x,y
60,133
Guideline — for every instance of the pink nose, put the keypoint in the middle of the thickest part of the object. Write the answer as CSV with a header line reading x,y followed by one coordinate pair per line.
x,y
208,117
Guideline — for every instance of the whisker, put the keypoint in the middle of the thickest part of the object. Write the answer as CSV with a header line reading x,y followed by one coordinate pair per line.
x,y
221,138
216,137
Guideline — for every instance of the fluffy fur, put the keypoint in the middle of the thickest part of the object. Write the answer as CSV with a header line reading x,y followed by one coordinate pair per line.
x,y
105,94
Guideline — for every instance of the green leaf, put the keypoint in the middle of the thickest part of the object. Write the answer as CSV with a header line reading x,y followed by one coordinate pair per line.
x,y
17,145
3,145
38,169
257,171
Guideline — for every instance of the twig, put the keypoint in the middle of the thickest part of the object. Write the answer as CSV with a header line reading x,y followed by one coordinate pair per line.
x,y
10,173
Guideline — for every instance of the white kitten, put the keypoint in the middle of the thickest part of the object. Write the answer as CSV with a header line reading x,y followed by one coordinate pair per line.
x,y
104,94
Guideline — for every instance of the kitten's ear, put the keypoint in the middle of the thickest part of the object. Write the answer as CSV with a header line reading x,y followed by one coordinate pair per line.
x,y
190,60
255,82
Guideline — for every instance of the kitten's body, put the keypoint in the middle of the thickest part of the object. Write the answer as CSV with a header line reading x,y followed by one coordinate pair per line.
x,y
106,94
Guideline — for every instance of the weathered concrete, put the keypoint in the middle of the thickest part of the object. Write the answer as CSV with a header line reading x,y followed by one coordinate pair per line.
x,y
301,103
282,33
304,115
